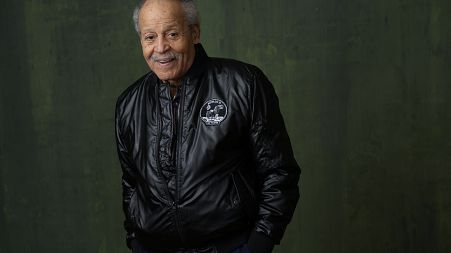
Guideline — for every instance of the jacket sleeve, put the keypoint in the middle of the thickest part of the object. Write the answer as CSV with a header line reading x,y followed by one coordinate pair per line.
x,y
128,179
276,169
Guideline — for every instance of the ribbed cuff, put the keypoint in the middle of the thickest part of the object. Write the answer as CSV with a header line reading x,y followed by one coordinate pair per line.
x,y
260,243
130,237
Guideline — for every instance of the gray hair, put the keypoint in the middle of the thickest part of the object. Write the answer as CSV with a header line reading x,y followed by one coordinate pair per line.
x,y
191,13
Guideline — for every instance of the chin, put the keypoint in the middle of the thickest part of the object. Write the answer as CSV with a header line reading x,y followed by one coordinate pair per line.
x,y
165,76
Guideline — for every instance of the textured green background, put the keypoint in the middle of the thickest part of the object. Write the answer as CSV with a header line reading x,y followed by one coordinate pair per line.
x,y
365,88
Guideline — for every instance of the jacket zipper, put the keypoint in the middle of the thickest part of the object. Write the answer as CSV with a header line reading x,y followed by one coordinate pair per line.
x,y
178,119
159,127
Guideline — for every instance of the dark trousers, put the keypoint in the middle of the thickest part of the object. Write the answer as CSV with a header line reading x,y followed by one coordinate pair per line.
x,y
138,248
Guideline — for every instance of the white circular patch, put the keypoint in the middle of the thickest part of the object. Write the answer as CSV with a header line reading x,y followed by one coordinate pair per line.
x,y
213,112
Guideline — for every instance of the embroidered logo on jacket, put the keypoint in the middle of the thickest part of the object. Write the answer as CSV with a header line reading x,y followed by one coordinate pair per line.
x,y
213,112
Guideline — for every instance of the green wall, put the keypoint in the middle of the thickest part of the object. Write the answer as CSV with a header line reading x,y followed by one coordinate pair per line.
x,y
364,86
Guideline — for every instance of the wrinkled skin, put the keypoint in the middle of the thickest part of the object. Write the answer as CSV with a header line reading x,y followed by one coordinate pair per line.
x,y
167,39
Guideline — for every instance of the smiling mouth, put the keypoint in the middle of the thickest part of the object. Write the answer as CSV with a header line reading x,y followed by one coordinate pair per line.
x,y
165,61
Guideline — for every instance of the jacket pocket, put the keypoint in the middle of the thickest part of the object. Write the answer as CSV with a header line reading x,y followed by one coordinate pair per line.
x,y
132,209
236,198
245,194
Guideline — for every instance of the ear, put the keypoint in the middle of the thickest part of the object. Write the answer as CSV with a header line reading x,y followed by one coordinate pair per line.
x,y
195,33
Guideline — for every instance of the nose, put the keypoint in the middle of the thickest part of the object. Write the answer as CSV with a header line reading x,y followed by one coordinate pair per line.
x,y
161,44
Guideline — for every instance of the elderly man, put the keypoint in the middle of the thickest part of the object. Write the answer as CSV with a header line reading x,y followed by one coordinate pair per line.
x,y
207,163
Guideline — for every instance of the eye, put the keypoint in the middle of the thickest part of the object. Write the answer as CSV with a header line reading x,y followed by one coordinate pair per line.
x,y
149,37
172,35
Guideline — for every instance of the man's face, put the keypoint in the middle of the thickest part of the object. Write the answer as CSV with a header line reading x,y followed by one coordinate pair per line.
x,y
166,39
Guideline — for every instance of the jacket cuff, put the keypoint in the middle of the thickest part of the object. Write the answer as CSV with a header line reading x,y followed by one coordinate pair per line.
x,y
260,243
130,237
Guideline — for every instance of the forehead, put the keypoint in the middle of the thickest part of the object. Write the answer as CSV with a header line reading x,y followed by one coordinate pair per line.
x,y
161,13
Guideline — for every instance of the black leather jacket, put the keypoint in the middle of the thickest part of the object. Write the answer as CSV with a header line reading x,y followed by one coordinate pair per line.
x,y
210,169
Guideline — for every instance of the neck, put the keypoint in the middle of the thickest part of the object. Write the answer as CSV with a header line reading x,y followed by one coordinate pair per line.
x,y
173,84
172,87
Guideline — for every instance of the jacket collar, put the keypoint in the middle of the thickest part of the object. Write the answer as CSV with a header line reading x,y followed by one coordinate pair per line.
x,y
199,64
